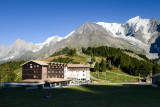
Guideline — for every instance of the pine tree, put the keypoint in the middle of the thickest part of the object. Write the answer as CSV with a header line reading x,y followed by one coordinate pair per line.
x,y
96,67
93,59
103,66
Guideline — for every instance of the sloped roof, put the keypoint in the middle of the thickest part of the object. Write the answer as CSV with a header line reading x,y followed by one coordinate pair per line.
x,y
38,62
77,65
47,63
45,80
156,76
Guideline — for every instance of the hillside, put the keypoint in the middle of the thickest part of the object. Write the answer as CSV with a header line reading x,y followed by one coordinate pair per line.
x,y
116,62
11,71
134,55
127,61
75,58
114,77
61,51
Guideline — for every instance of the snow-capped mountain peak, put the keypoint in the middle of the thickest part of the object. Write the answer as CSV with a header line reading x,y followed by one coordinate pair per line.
x,y
115,29
137,27
51,39
134,20
69,35
19,41
47,42
136,32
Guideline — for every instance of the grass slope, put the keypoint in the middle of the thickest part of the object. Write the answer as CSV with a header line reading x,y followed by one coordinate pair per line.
x,y
83,96
76,58
61,51
19,74
112,77
79,57
133,55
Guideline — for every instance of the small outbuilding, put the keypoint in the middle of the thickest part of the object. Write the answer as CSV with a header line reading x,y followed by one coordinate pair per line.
x,y
156,80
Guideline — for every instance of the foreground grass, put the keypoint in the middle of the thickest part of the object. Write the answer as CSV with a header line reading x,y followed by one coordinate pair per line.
x,y
83,96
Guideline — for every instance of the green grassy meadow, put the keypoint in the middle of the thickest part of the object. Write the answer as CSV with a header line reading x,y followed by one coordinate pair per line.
x,y
111,76
76,57
83,96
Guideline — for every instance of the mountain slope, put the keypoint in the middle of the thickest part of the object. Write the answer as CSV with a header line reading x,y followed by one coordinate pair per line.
x,y
25,50
136,34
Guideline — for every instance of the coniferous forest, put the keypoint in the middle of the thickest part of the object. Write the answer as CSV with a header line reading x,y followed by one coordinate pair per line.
x,y
7,69
126,63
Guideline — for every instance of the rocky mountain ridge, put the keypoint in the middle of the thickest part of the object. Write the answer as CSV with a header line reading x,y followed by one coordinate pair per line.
x,y
137,34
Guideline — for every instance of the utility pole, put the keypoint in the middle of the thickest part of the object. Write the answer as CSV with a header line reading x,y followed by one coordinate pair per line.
x,y
0,79
139,78
117,77
151,76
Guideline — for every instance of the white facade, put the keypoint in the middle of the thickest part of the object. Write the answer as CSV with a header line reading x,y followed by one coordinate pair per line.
x,y
80,75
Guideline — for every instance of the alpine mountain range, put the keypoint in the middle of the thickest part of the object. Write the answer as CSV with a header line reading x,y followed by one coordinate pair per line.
x,y
137,34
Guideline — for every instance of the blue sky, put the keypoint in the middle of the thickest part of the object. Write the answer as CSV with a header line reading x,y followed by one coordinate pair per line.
x,y
36,20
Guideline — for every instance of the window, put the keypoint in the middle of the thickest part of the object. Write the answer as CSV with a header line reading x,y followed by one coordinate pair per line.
x,y
34,76
34,71
37,71
31,66
37,66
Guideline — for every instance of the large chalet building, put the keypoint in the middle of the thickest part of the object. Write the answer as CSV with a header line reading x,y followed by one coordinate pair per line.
x,y
41,70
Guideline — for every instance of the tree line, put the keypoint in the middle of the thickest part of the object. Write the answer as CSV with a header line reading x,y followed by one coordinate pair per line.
x,y
65,60
117,57
7,69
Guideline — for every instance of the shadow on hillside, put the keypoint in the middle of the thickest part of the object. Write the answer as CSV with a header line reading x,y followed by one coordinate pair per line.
x,y
155,47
